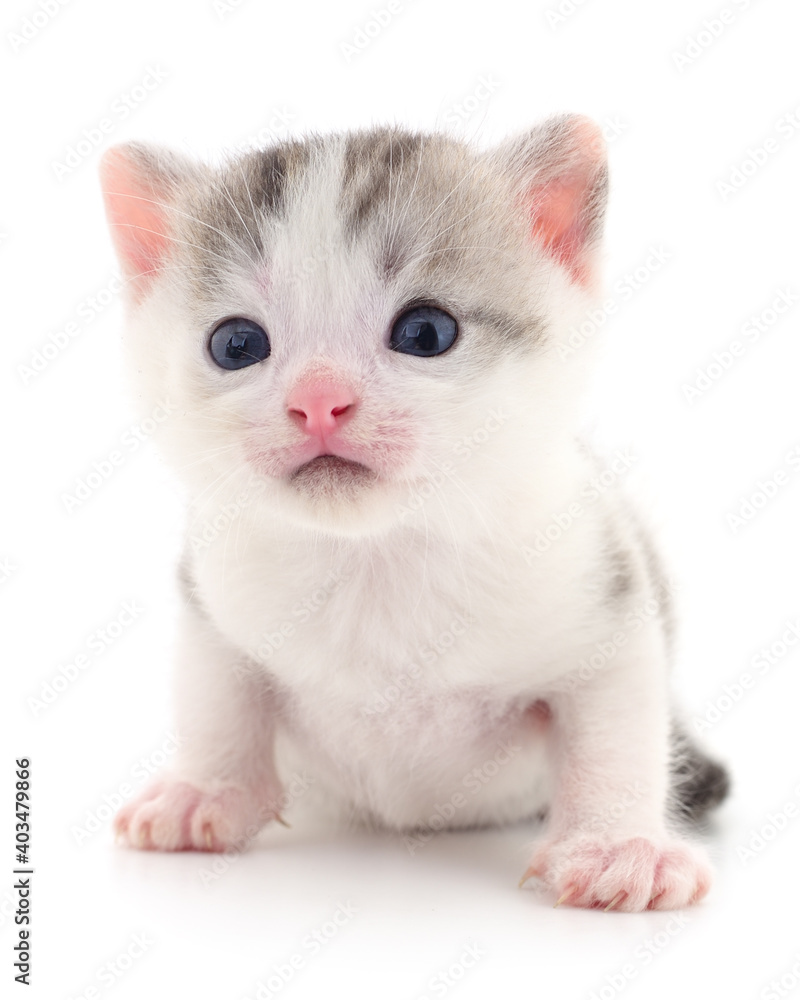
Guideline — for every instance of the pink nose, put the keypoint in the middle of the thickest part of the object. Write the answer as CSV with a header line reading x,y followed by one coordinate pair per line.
x,y
320,408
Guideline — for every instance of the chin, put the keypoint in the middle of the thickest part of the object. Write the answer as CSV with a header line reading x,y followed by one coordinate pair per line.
x,y
340,497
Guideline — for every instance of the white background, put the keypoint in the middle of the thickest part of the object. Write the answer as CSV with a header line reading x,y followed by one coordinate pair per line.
x,y
683,126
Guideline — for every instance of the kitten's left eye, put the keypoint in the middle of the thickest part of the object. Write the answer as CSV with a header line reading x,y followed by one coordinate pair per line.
x,y
423,331
237,343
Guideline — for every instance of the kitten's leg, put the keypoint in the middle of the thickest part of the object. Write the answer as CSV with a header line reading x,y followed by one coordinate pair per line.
x,y
608,844
223,787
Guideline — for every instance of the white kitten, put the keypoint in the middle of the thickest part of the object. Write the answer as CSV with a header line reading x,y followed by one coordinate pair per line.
x,y
360,334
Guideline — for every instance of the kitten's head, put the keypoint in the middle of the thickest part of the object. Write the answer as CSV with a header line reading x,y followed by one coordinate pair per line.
x,y
363,328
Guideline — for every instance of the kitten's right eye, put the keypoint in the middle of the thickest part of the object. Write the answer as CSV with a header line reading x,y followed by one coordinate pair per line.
x,y
237,343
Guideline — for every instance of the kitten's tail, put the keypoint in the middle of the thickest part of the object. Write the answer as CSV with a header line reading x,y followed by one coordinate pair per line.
x,y
697,782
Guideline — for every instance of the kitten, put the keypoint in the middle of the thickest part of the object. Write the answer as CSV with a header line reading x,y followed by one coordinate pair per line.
x,y
378,430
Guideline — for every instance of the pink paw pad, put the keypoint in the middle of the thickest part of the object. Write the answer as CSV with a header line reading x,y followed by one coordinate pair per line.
x,y
176,816
630,875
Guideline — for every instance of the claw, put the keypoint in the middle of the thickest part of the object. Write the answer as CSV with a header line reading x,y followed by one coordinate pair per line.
x,y
530,873
617,899
208,837
564,896
282,821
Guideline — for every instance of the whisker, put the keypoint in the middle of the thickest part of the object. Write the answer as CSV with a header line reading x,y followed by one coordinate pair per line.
x,y
235,207
174,239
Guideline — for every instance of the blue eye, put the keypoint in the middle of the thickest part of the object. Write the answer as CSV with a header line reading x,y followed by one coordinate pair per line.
x,y
423,331
237,343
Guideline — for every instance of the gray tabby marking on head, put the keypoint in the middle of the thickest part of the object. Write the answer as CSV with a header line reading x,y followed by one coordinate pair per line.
x,y
238,199
421,195
504,325
374,164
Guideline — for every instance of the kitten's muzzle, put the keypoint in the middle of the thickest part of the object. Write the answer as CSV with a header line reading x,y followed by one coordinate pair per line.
x,y
320,407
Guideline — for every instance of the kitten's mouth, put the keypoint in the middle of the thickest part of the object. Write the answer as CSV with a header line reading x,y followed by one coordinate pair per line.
x,y
331,474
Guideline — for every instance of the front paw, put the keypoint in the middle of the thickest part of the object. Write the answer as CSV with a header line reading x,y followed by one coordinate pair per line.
x,y
633,875
171,815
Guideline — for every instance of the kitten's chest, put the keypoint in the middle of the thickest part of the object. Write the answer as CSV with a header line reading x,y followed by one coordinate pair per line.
x,y
391,618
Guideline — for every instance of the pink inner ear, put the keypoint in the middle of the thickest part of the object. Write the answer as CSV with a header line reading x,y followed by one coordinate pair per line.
x,y
558,221
136,216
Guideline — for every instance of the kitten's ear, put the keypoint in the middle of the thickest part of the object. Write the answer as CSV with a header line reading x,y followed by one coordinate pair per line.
x,y
139,185
561,176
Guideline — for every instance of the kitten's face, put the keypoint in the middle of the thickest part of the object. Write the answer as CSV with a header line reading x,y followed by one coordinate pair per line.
x,y
357,329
